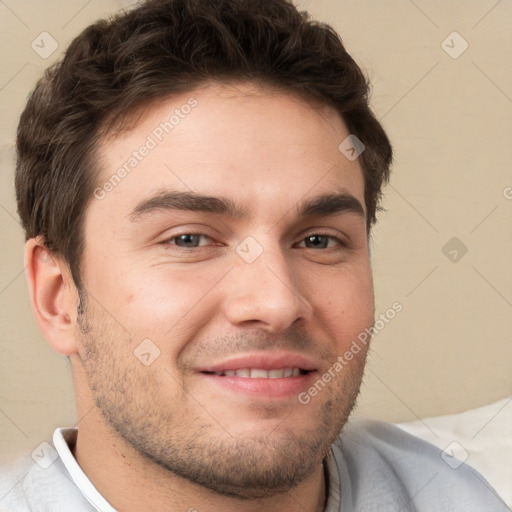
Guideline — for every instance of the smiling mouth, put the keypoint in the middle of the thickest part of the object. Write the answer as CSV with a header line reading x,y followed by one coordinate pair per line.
x,y
259,373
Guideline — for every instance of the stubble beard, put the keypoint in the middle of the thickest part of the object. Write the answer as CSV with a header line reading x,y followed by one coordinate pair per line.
x,y
193,444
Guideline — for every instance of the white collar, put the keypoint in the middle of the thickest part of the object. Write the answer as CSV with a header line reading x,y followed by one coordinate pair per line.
x,y
63,439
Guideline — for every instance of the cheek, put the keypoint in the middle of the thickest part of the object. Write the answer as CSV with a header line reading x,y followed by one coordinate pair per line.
x,y
159,302
344,303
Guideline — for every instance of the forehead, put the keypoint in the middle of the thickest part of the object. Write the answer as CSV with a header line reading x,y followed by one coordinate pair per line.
x,y
258,145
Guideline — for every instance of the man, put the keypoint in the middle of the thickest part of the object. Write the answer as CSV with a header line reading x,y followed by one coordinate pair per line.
x,y
197,181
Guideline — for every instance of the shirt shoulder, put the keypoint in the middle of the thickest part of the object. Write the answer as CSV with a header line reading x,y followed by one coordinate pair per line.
x,y
30,487
383,468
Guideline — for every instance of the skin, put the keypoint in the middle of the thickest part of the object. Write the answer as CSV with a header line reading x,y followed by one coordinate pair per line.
x,y
164,436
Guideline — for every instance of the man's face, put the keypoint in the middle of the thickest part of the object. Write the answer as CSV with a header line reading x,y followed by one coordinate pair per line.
x,y
244,299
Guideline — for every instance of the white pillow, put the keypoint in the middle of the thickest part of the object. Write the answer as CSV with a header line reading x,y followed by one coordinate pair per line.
x,y
480,437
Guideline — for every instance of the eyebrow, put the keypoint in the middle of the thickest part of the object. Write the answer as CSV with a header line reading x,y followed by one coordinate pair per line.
x,y
323,205
331,204
188,201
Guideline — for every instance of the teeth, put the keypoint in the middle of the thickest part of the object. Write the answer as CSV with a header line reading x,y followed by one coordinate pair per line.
x,y
257,373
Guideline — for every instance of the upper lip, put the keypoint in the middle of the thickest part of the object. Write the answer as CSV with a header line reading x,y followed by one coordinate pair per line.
x,y
262,360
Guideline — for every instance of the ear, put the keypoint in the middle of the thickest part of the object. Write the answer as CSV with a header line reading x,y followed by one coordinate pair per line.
x,y
53,296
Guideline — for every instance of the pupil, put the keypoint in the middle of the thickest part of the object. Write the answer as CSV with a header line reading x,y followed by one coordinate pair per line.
x,y
317,241
188,239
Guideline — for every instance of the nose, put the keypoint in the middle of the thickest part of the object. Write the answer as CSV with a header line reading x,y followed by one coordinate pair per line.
x,y
265,294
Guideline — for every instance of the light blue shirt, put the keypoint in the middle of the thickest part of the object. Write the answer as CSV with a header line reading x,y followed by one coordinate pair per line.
x,y
372,467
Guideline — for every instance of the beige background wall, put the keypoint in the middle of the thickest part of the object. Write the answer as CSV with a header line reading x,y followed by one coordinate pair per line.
x,y
450,120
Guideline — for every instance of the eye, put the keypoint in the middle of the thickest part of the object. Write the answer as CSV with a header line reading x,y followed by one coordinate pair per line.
x,y
319,241
189,240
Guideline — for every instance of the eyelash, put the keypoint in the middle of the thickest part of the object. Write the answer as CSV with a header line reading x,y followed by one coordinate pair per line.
x,y
192,233
342,243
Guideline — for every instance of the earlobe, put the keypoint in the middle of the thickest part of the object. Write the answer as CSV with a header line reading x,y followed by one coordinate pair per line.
x,y
53,296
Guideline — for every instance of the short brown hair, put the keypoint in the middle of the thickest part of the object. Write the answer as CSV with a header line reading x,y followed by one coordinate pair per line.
x,y
166,47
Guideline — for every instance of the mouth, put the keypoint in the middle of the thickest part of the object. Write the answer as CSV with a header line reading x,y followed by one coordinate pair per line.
x,y
266,376
261,373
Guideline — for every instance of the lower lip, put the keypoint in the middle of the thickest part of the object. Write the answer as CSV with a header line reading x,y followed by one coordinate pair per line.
x,y
268,389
